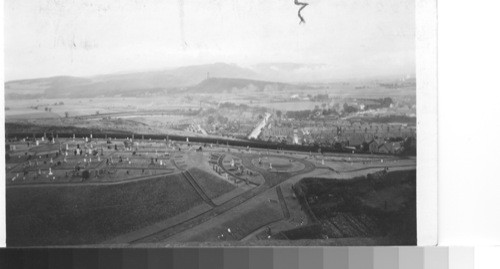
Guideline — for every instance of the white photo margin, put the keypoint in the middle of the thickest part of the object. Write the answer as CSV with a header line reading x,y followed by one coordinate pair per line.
x,y
427,122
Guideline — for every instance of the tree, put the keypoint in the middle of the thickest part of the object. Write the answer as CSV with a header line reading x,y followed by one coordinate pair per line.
x,y
386,102
337,146
86,174
210,119
349,109
365,146
222,119
279,113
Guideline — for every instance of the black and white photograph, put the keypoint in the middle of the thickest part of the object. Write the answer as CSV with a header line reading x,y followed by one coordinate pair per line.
x,y
149,123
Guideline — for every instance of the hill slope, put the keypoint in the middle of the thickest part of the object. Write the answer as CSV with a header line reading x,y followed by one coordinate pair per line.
x,y
127,84
220,85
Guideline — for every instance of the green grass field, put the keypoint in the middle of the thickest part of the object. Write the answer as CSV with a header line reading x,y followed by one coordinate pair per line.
x,y
92,214
211,184
243,225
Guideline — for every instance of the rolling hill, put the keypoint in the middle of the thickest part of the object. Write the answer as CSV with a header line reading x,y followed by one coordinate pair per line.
x,y
208,78
125,84
221,85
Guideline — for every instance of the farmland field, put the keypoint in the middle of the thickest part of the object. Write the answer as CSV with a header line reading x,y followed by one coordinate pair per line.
x,y
80,106
92,214
24,115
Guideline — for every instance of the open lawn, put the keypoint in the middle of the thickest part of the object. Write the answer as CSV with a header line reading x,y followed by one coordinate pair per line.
x,y
91,214
238,228
212,185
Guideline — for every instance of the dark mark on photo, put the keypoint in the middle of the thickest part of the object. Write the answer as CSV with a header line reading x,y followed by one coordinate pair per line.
x,y
300,9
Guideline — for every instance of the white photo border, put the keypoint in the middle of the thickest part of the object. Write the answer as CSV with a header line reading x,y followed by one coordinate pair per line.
x,y
427,122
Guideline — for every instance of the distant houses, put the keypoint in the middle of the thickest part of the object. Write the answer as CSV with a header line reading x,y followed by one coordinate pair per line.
x,y
371,138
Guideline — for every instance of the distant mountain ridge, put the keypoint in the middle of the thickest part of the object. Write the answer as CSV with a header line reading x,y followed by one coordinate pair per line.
x,y
176,79
220,85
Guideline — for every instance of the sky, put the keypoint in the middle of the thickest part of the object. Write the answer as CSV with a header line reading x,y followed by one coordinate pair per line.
x,y
351,38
